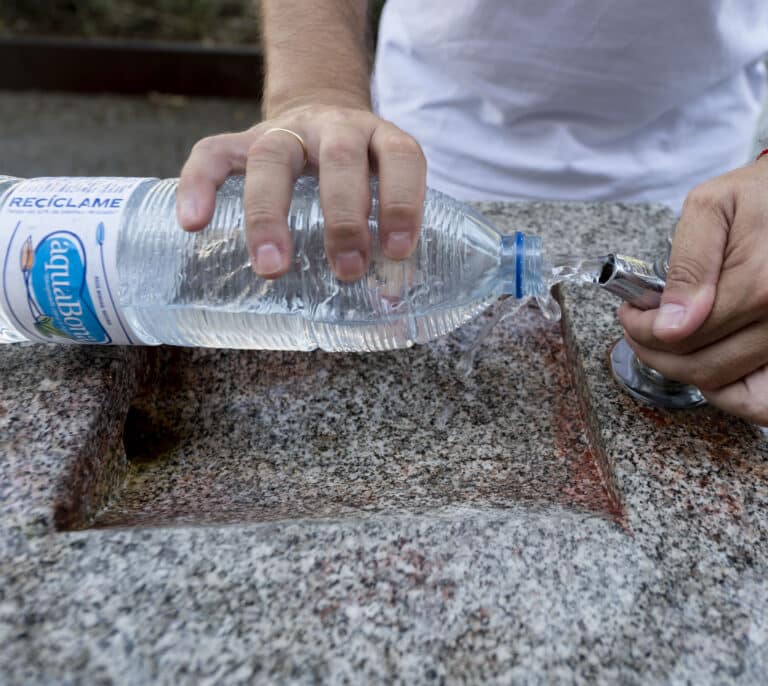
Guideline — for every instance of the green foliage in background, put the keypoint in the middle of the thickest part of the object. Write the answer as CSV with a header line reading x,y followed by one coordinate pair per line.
x,y
220,21
207,21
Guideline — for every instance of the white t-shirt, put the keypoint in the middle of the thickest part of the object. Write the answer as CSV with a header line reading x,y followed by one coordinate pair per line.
x,y
636,100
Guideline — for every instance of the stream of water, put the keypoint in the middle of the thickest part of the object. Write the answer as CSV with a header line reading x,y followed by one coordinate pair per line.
x,y
568,269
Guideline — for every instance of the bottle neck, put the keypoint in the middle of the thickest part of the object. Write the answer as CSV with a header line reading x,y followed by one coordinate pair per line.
x,y
520,269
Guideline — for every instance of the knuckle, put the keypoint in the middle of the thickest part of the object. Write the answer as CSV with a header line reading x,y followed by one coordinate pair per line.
x,y
268,150
401,212
705,197
262,217
343,151
209,144
346,228
401,144
685,269
333,116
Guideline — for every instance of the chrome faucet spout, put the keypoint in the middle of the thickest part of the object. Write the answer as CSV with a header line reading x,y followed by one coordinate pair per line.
x,y
639,283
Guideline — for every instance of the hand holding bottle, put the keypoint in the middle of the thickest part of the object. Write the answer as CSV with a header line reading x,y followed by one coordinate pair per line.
x,y
343,144
712,327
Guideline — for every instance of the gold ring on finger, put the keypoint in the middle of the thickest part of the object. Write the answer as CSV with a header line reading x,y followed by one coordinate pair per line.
x,y
297,137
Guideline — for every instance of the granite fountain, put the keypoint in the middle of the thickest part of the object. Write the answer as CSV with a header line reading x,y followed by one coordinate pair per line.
x,y
208,516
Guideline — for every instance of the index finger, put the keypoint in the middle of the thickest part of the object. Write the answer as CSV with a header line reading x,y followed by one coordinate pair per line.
x,y
209,164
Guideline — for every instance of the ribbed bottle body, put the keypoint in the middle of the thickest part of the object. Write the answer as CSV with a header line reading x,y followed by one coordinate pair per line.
x,y
199,290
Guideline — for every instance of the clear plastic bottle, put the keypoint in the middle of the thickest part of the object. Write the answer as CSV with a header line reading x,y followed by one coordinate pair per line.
x,y
199,289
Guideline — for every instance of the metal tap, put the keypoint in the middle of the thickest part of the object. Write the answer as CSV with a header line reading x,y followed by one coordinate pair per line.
x,y
641,284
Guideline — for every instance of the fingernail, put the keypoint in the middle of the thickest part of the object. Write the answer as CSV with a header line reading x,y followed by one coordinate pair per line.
x,y
398,245
268,259
670,317
349,264
188,211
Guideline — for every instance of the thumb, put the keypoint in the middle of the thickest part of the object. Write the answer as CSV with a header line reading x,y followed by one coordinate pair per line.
x,y
697,255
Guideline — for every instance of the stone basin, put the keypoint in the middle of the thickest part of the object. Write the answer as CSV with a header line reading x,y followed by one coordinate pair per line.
x,y
233,436
200,516
374,517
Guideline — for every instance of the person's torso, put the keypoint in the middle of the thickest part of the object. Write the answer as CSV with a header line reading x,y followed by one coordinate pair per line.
x,y
586,99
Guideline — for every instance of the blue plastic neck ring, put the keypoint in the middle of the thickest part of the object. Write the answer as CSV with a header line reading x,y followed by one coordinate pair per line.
x,y
519,244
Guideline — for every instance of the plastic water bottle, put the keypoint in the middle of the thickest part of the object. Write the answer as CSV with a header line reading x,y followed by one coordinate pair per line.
x,y
104,261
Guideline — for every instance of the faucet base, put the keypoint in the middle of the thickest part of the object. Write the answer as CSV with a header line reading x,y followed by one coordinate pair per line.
x,y
649,386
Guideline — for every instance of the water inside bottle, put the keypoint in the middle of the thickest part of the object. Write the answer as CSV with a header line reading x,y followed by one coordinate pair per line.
x,y
567,269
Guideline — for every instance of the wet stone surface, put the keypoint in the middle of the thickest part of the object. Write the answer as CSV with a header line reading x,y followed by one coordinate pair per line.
x,y
244,436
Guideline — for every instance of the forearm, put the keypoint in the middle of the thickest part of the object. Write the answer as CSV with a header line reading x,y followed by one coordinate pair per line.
x,y
317,91
315,52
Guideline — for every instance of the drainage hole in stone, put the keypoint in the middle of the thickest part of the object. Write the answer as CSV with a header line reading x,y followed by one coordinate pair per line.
x,y
146,436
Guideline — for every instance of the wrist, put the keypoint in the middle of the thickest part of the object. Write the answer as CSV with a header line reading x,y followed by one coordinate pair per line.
x,y
278,101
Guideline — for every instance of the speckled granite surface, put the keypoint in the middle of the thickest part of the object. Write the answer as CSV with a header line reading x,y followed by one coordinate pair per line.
x,y
319,435
61,427
475,562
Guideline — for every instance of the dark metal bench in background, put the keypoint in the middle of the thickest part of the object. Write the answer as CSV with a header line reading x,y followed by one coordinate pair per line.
x,y
129,67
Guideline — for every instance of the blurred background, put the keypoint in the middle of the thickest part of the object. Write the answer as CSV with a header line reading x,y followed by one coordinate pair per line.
x,y
207,21
139,109
52,130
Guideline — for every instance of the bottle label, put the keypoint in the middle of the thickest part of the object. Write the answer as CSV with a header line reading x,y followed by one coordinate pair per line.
x,y
58,246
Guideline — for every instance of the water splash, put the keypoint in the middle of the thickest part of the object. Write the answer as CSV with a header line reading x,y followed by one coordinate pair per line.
x,y
549,307
568,269
505,308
